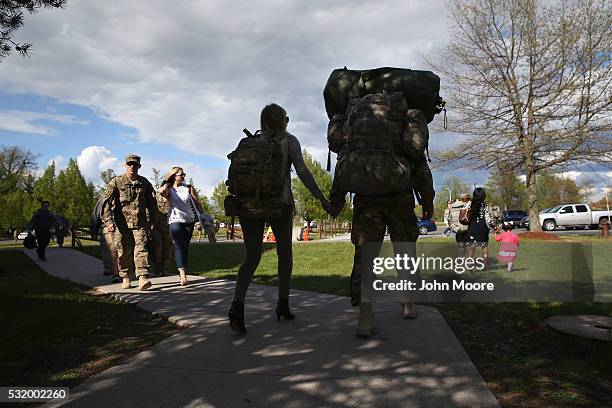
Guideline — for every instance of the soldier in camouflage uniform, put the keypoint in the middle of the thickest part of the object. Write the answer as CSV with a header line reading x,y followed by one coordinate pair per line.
x,y
161,238
127,199
372,214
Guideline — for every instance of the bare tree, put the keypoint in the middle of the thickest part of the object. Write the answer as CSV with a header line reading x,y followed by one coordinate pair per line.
x,y
530,84
11,19
16,163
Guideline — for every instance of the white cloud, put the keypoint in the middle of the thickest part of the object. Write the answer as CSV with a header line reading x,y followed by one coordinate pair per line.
x,y
60,162
194,75
94,159
26,122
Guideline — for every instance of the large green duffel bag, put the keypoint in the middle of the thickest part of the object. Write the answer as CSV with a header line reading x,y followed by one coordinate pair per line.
x,y
420,88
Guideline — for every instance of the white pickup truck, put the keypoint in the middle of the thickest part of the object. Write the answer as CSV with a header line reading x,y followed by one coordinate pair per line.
x,y
572,216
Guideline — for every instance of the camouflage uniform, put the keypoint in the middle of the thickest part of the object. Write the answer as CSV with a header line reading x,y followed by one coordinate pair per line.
x,y
125,205
161,238
373,213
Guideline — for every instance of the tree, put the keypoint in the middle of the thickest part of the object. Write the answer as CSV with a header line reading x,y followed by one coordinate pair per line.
x,y
456,186
16,164
77,197
217,198
206,205
530,83
11,19
157,178
11,210
554,190
308,207
107,175
506,190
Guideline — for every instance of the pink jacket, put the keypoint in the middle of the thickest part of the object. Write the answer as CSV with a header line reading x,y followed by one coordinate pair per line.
x,y
507,236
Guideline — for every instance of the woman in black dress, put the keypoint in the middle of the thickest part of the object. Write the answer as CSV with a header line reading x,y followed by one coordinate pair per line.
x,y
478,228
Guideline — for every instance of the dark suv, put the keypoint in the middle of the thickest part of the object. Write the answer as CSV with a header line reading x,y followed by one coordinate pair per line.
x,y
515,217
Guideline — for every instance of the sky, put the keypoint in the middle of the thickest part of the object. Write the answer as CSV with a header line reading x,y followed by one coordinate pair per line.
x,y
176,82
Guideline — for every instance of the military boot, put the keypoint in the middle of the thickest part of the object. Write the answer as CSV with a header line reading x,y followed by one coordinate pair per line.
x,y
409,310
126,283
365,323
143,283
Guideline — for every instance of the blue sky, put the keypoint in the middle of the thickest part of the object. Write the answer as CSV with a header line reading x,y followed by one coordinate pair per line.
x,y
177,85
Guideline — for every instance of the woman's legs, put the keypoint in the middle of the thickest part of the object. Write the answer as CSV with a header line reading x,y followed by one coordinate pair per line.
x,y
181,234
282,228
252,230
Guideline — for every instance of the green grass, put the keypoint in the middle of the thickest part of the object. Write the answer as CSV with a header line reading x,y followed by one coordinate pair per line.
x,y
523,363
56,333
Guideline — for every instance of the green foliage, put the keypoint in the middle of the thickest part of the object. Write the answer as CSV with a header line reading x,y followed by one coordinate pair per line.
x,y
216,201
11,210
75,198
457,187
308,207
206,205
555,190
506,190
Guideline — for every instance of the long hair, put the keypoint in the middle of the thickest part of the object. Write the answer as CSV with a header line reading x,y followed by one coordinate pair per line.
x,y
174,170
273,117
478,200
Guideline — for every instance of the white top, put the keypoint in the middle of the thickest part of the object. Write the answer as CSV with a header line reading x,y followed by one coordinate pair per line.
x,y
180,205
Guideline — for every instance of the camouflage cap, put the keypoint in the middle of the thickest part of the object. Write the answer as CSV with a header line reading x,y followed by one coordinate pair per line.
x,y
132,158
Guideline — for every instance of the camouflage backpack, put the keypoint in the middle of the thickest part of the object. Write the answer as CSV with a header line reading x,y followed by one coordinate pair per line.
x,y
377,140
256,175
453,218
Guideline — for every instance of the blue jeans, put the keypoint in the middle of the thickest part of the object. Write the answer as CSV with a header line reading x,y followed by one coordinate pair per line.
x,y
181,234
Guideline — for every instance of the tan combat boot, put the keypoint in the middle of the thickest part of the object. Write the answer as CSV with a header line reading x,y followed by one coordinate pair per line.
x,y
143,283
409,310
126,283
365,323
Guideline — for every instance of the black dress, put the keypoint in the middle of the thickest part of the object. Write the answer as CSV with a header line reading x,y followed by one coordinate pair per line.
x,y
478,229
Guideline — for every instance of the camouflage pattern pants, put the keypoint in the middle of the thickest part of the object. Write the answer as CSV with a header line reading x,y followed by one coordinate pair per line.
x,y
132,249
109,251
371,216
162,247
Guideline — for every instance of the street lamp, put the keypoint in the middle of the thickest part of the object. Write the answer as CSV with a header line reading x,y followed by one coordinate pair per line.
x,y
450,194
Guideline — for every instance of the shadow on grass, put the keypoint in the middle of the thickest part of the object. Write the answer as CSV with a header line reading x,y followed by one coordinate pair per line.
x,y
53,333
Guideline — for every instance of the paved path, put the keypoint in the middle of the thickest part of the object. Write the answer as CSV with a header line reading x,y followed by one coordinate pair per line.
x,y
314,361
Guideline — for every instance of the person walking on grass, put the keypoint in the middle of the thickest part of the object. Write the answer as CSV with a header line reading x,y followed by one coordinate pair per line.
x,y
127,199
272,202
509,245
480,222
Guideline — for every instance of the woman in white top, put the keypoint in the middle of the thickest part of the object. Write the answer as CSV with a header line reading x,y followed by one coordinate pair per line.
x,y
182,215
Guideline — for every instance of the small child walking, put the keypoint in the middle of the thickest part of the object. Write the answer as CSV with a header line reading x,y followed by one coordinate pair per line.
x,y
509,246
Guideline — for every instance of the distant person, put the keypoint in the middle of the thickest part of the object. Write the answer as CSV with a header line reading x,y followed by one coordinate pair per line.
x,y
183,214
480,221
446,218
509,245
127,199
15,235
273,123
61,229
460,229
41,223
108,250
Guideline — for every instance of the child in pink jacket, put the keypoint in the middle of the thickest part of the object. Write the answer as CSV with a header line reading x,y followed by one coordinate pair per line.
x,y
509,246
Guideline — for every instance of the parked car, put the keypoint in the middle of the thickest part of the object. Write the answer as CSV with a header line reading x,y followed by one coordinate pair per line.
x,y
22,236
426,226
514,217
572,216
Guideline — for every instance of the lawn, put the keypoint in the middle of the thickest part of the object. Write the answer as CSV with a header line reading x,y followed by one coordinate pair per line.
x,y
524,363
56,333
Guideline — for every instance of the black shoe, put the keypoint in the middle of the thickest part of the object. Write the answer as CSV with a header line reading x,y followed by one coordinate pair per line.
x,y
116,279
282,309
236,316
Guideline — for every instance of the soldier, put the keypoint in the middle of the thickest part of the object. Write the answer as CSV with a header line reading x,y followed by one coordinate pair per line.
x,y
127,199
41,223
161,238
372,214
107,243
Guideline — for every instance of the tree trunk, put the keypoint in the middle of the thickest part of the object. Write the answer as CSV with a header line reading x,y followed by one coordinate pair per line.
x,y
532,203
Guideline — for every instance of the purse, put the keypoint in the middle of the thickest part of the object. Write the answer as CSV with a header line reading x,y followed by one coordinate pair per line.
x,y
464,216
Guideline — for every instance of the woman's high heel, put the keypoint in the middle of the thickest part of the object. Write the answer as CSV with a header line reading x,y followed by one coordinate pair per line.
x,y
282,309
236,317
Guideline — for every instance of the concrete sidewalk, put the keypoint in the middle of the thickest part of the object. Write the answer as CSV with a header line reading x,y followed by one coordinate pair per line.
x,y
313,361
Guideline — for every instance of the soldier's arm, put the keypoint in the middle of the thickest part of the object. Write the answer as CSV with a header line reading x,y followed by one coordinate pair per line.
x,y
108,203
423,183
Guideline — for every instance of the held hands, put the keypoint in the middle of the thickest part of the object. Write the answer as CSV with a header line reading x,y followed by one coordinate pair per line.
x,y
332,210
427,210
